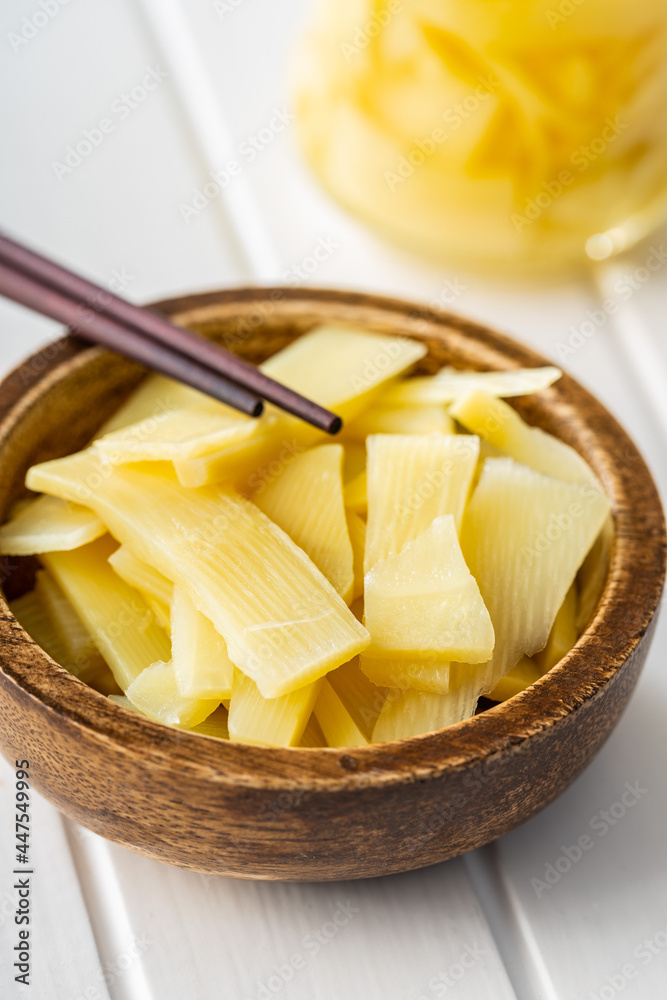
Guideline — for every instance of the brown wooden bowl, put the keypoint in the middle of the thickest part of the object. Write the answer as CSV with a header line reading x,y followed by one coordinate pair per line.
x,y
234,809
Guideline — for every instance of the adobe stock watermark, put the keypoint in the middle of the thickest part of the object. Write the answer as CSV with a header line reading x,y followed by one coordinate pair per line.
x,y
582,158
451,290
370,29
294,276
32,24
624,288
645,952
453,117
600,825
248,151
441,984
223,7
311,944
559,524
121,109
117,282
112,971
565,10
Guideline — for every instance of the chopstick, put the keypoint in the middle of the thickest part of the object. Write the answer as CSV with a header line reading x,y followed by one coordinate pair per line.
x,y
100,329
98,315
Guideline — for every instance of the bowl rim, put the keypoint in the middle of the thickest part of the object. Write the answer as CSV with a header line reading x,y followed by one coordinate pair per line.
x,y
614,633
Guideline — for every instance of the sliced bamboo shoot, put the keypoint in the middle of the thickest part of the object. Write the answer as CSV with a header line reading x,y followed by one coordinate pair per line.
x,y
178,434
424,601
283,623
429,677
216,725
306,501
312,734
116,615
274,721
338,726
49,524
31,615
413,712
500,425
82,655
593,574
412,479
448,384
357,531
199,655
355,494
155,396
140,575
339,367
361,698
155,694
525,673
400,420
524,537
564,633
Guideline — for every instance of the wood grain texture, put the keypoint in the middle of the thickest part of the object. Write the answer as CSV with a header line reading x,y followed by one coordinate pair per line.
x,y
251,812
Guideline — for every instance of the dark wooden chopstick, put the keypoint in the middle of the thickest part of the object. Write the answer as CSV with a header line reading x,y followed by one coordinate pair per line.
x,y
27,291
95,303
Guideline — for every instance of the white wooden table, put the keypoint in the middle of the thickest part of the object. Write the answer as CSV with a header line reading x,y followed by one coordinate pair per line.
x,y
185,85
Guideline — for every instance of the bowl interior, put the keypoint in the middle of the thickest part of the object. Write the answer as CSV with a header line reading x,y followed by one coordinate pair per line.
x,y
53,404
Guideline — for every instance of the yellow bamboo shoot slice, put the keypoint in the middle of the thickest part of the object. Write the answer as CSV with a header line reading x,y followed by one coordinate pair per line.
x,y
216,724
116,615
430,677
199,654
500,425
124,702
410,713
412,479
338,726
140,575
525,673
593,574
155,396
448,384
400,420
82,655
49,524
423,601
178,434
357,531
312,734
362,699
339,367
274,721
155,694
355,460
306,501
524,537
355,494
31,615
154,588
564,633
284,627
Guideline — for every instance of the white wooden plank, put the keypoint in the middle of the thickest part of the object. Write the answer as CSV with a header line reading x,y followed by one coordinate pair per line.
x,y
397,938
118,210
64,960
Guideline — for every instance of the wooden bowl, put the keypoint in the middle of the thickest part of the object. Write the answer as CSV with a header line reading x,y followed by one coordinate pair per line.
x,y
306,814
